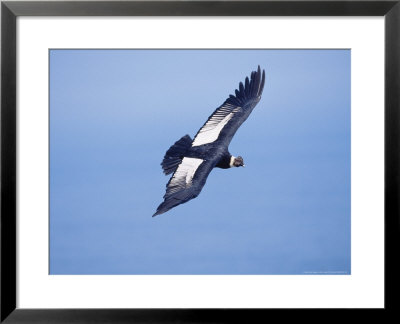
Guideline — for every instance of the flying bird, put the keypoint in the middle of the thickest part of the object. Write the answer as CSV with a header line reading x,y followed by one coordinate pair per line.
x,y
191,161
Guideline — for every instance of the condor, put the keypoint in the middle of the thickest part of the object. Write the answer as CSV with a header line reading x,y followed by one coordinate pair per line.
x,y
191,161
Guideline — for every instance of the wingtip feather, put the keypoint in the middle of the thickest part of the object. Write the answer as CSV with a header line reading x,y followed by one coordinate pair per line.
x,y
251,88
262,82
159,211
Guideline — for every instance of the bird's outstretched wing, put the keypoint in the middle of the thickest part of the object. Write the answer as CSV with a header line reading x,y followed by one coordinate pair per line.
x,y
186,183
222,125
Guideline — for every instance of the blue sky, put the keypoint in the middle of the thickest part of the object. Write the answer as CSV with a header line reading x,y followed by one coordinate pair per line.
x,y
113,115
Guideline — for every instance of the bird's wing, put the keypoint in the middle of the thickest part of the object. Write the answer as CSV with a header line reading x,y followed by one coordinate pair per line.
x,y
186,183
225,120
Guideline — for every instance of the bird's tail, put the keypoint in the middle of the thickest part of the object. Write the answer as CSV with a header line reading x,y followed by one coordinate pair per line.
x,y
175,154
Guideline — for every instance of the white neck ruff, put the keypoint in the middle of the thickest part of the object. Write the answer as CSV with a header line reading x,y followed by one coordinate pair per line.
x,y
232,161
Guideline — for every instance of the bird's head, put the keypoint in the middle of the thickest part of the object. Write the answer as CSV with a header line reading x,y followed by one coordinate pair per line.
x,y
237,161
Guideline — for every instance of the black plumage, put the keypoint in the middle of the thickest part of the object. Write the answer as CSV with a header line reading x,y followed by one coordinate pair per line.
x,y
191,161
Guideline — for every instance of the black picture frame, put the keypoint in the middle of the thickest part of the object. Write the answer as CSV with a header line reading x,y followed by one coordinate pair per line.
x,y
10,10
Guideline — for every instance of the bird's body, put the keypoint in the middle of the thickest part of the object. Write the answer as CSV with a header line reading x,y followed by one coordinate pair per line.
x,y
191,161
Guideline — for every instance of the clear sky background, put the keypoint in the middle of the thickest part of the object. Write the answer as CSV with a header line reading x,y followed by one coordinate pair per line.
x,y
113,115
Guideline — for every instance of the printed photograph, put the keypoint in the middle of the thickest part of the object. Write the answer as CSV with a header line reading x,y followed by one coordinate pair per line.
x,y
200,162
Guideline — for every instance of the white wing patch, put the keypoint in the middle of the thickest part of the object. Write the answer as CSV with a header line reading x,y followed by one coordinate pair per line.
x,y
184,174
210,131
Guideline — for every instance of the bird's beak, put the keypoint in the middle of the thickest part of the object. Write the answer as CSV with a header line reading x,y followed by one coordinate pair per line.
x,y
243,165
